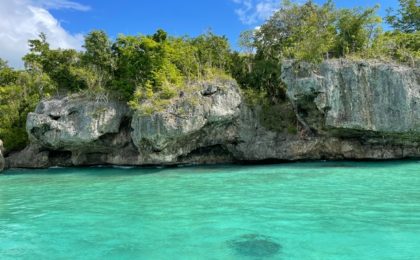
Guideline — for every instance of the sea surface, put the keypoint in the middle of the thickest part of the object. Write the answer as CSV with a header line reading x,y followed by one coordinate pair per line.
x,y
322,210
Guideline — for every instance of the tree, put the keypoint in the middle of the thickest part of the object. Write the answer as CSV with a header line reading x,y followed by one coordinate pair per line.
x,y
98,51
302,32
60,65
183,54
7,74
143,64
399,46
160,36
314,38
212,51
246,41
19,95
98,60
407,18
357,29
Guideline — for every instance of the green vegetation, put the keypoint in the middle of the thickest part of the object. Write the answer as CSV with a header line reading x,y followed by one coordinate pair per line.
x,y
19,93
407,18
312,33
147,71
279,116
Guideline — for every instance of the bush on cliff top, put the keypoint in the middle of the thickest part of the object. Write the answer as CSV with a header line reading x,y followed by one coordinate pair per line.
x,y
20,91
311,32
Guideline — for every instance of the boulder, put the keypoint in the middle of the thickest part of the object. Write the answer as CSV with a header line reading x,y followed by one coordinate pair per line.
x,y
75,123
33,156
205,117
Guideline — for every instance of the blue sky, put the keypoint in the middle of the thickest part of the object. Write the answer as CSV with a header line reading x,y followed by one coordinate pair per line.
x,y
66,21
178,17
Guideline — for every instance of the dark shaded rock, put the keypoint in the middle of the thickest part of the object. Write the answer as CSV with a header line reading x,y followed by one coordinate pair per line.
x,y
33,156
255,245
210,90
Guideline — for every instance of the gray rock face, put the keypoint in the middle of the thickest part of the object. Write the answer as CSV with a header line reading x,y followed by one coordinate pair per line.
x,y
342,109
203,118
75,131
363,96
355,110
195,127
2,162
73,123
33,156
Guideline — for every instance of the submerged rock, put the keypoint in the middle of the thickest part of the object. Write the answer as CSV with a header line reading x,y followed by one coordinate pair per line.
x,y
255,245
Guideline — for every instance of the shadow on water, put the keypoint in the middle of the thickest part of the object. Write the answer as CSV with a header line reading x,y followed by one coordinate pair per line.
x,y
254,245
111,170
100,171
349,163
107,170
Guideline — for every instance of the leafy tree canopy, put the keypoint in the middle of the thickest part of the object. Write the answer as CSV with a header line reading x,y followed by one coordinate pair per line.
x,y
407,17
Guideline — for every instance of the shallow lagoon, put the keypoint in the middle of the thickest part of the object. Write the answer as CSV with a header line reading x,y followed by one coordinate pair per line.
x,y
331,210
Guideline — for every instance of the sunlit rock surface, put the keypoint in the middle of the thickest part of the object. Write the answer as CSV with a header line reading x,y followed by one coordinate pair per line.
x,y
358,96
202,119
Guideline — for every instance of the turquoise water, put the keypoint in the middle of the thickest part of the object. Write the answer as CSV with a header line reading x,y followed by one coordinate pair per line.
x,y
335,210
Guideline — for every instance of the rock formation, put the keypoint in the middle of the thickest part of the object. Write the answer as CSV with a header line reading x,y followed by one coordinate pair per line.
x,y
202,119
357,96
342,110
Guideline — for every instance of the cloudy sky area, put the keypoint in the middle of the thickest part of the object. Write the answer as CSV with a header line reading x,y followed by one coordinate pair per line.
x,y
66,21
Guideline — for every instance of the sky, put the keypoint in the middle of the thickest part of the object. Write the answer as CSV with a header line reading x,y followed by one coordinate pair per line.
x,y
65,22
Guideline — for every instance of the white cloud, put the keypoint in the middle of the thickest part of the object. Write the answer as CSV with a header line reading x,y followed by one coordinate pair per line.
x,y
61,4
255,11
22,20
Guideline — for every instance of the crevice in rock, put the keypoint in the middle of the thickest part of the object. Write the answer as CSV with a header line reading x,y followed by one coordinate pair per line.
x,y
59,158
208,154
73,112
55,118
38,132
308,115
92,159
124,130
210,90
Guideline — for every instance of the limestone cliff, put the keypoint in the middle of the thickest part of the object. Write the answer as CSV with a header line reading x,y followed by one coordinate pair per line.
x,y
77,131
357,96
201,119
342,110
